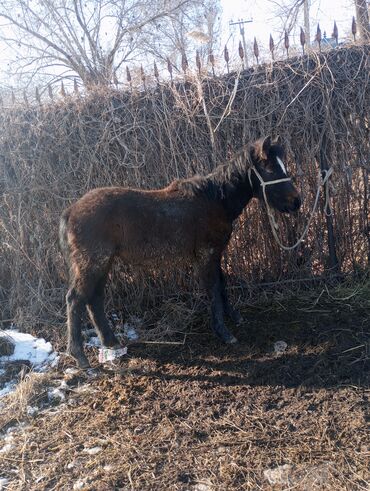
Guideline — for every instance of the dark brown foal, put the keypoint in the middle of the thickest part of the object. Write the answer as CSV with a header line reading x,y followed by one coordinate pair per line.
x,y
188,222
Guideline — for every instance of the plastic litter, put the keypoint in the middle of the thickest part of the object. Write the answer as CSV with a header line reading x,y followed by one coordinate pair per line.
x,y
280,347
110,354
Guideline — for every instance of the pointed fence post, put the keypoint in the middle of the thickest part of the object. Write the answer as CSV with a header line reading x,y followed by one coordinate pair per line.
x,y
333,258
198,62
272,47
241,52
13,97
169,67
156,73
37,95
286,43
143,77
128,77
302,38
115,79
227,59
354,28
335,33
75,87
62,90
25,98
211,59
318,36
256,50
50,92
184,62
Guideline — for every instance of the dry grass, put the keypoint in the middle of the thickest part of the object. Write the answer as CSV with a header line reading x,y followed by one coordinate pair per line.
x,y
30,390
201,414
52,154
6,345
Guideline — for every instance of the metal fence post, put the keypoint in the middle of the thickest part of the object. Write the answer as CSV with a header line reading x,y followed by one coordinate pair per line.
x,y
333,258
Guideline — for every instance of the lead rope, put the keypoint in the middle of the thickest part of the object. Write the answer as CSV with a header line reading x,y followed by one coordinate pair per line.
x,y
323,178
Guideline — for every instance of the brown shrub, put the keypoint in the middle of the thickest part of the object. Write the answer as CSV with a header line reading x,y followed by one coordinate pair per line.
x,y
52,154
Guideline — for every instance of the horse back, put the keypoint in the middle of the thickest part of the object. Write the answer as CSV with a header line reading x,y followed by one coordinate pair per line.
x,y
146,226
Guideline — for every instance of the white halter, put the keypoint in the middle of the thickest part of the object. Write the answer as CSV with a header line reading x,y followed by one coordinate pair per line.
x,y
323,178
262,182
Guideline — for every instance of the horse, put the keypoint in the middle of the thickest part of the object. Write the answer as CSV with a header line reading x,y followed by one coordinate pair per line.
x,y
188,222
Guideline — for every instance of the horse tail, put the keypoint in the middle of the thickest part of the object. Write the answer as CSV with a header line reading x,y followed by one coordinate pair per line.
x,y
63,239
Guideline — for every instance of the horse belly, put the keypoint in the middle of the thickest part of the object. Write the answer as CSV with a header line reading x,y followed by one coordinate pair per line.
x,y
156,244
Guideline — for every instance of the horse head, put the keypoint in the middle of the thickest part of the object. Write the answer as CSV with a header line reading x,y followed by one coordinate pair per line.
x,y
269,178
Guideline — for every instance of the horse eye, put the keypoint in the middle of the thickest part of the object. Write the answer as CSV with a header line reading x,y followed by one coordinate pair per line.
x,y
268,166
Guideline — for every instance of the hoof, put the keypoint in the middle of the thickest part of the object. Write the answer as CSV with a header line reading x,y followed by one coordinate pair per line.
x,y
231,340
82,361
235,317
111,343
83,364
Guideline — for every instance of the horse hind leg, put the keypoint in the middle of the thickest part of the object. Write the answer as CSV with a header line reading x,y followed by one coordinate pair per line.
x,y
87,292
95,308
75,309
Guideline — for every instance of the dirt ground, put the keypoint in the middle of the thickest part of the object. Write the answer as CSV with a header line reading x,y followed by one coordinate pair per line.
x,y
203,417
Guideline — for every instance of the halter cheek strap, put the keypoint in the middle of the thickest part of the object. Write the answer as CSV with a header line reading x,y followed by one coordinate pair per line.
x,y
323,179
262,182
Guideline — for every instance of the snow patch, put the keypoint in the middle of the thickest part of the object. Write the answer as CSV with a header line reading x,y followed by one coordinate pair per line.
x,y
280,347
278,475
8,387
56,394
36,350
3,483
202,487
93,450
8,441
71,371
130,326
32,410
6,448
80,484
93,341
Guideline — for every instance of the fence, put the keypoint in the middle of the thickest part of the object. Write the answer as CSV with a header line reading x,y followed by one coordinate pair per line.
x,y
50,154
144,80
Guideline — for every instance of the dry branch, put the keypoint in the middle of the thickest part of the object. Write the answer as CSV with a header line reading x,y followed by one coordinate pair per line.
x,y
52,154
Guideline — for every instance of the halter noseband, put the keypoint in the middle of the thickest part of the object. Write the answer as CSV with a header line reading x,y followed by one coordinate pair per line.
x,y
262,182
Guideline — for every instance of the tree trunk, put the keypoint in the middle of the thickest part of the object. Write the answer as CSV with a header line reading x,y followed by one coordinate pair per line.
x,y
362,17
307,22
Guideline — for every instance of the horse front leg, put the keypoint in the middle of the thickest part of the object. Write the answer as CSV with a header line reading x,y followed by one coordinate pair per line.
x,y
211,280
232,313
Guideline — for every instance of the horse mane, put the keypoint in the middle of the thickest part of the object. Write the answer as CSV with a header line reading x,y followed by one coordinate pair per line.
x,y
219,183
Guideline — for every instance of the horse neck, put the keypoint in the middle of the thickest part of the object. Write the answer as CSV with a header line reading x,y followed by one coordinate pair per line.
x,y
234,191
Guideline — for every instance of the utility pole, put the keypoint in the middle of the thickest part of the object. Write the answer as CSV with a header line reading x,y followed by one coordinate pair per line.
x,y
306,13
362,16
241,23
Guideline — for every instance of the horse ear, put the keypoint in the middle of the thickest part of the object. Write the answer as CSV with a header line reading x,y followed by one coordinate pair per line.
x,y
266,147
277,140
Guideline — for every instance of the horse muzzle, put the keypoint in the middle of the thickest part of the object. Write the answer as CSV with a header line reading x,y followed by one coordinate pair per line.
x,y
293,205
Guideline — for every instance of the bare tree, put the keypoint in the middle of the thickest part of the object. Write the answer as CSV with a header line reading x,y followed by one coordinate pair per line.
x,y
290,11
190,29
90,39
362,17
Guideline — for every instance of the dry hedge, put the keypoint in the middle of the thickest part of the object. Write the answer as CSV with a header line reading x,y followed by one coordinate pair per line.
x,y
52,154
